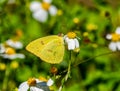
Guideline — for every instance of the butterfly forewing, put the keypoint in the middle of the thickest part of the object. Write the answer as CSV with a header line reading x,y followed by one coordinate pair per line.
x,y
50,49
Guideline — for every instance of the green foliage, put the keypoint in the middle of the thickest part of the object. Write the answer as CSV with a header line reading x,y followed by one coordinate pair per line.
x,y
95,67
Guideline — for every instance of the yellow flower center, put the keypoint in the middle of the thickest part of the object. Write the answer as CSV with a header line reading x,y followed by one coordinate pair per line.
x,y
85,34
76,20
71,35
2,66
31,82
43,79
59,12
91,27
115,37
14,64
45,5
10,51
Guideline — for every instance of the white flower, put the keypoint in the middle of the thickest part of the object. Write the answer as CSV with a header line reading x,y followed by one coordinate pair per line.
x,y
14,44
9,52
25,86
73,42
115,37
40,10
37,86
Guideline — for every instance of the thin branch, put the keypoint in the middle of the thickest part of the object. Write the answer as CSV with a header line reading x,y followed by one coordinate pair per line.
x,y
85,60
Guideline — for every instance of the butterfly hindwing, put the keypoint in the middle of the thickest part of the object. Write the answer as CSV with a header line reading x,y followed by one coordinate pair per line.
x,y
53,51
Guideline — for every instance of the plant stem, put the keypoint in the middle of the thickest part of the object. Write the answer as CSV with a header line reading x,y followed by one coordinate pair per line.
x,y
5,80
68,72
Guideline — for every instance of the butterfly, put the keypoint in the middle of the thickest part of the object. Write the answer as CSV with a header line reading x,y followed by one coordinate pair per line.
x,y
49,49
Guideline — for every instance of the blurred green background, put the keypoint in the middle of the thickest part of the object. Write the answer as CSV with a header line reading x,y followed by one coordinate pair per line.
x,y
90,19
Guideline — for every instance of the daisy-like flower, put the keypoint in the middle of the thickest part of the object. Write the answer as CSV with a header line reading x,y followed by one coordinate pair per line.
x,y
71,41
115,37
10,53
40,10
14,44
76,20
34,84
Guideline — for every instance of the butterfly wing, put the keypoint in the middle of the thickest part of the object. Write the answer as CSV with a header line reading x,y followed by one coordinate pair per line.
x,y
50,49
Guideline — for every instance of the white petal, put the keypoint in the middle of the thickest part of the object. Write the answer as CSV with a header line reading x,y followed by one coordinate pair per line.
x,y
66,38
76,43
71,44
14,44
18,45
23,87
118,30
19,55
113,46
2,48
47,1
40,15
118,45
53,10
35,89
13,56
37,80
109,36
50,82
35,5
9,42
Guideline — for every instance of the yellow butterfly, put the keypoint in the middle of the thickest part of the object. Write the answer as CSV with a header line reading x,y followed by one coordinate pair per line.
x,y
50,48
